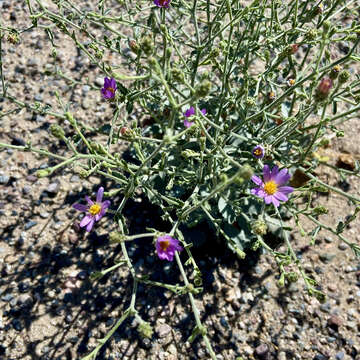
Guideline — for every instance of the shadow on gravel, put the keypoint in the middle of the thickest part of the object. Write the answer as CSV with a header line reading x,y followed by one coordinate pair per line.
x,y
84,310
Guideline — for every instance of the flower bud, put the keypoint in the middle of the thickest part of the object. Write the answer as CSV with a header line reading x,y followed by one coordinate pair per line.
x,y
319,210
326,26
292,276
244,174
13,37
335,72
57,131
259,227
116,237
203,89
70,118
323,88
250,102
134,46
147,45
311,35
281,281
344,76
145,329
178,75
187,154
43,173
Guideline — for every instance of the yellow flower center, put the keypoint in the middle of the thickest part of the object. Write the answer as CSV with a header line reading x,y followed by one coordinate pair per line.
x,y
270,187
111,89
257,152
94,209
164,245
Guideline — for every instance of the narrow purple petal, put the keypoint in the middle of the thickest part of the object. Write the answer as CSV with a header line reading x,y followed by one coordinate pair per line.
x,y
268,199
105,204
286,189
267,173
282,177
274,172
85,220
99,195
189,112
113,83
90,225
203,111
99,215
89,201
188,123
281,196
255,179
106,82
258,192
81,207
275,201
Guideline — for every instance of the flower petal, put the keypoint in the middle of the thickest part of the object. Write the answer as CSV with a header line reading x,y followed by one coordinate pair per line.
x,y
282,177
274,172
113,83
90,225
258,192
81,207
286,189
203,111
255,179
85,220
189,112
99,195
275,201
188,123
268,199
267,173
281,196
89,201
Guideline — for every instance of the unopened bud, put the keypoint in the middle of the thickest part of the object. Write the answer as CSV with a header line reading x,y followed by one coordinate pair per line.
x,y
147,45
250,102
324,88
188,153
57,131
13,37
145,329
244,174
43,173
116,237
259,227
134,46
292,276
344,76
326,26
203,89
178,75
335,72
319,210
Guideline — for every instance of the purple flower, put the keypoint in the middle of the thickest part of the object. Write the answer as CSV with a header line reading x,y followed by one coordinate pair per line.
x,y
94,210
162,3
108,91
166,247
272,189
190,112
258,152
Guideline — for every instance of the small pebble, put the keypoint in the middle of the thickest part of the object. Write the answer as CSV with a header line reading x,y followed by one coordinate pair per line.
x,y
339,356
30,224
53,188
4,179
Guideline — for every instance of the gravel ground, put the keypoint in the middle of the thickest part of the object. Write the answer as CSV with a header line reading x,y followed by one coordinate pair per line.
x,y
49,308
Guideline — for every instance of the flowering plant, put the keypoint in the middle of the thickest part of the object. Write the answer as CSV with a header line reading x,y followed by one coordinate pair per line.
x,y
261,73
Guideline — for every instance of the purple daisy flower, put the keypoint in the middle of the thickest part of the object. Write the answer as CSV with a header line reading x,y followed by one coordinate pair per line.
x,y
190,112
258,152
272,189
162,3
166,247
109,89
94,210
